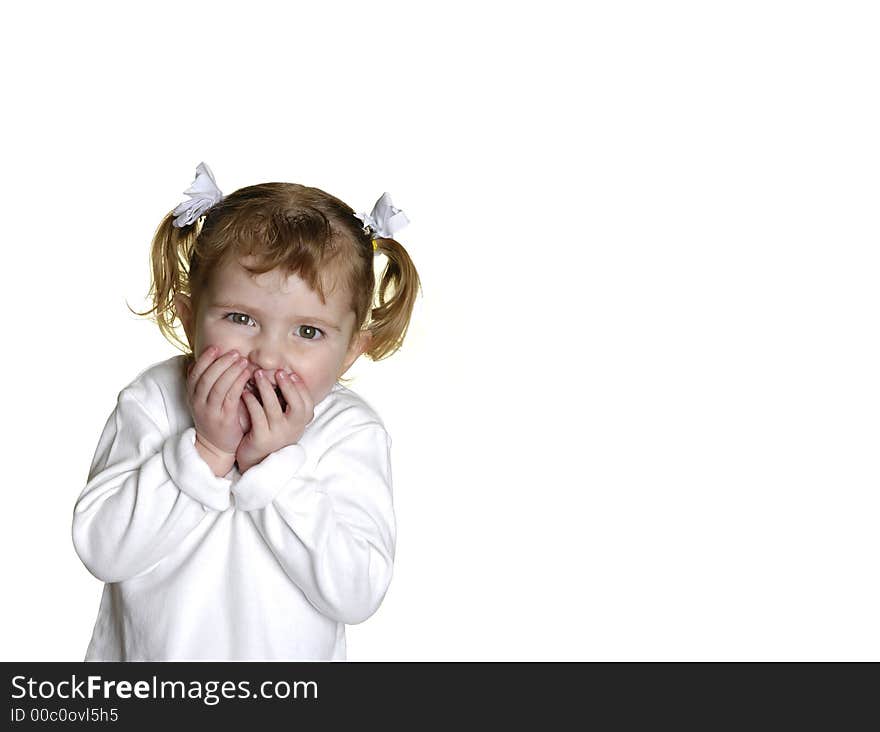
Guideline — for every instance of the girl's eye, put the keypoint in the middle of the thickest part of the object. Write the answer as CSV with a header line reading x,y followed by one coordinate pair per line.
x,y
239,318
310,332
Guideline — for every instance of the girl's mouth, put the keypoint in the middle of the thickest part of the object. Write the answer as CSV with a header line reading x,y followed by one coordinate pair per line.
x,y
252,388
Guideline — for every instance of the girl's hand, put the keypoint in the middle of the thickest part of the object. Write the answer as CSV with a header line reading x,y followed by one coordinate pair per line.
x,y
272,429
213,392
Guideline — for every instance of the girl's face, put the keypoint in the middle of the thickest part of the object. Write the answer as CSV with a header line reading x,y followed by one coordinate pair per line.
x,y
278,322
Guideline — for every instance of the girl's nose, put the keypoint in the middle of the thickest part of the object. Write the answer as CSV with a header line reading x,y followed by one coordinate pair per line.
x,y
266,356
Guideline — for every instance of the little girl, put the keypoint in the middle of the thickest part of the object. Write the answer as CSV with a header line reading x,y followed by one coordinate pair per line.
x,y
239,502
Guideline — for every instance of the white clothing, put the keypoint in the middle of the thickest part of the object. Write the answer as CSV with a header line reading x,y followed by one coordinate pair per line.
x,y
269,565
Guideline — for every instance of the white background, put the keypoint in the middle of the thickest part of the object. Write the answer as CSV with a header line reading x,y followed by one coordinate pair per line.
x,y
636,416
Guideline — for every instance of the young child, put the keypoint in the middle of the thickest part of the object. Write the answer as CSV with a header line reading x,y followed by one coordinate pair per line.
x,y
239,502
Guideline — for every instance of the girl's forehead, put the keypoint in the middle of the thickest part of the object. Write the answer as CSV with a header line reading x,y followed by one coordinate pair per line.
x,y
233,277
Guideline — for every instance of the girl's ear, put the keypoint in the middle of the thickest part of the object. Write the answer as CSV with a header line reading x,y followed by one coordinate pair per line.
x,y
183,308
359,344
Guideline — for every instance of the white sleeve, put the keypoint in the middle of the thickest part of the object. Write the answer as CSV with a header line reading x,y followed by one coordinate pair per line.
x,y
147,490
334,532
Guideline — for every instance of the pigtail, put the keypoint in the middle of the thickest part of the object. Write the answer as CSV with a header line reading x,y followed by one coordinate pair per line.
x,y
170,254
396,295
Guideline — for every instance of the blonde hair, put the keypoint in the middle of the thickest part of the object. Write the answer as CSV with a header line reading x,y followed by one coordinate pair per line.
x,y
303,230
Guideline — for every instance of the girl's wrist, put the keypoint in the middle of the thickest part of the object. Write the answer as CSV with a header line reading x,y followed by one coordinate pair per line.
x,y
219,461
245,465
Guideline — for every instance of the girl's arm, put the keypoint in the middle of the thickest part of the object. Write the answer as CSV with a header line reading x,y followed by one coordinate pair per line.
x,y
334,532
147,490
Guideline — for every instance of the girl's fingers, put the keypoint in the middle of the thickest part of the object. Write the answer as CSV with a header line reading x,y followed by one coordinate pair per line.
x,y
296,394
244,417
212,373
259,423
199,366
267,392
307,399
290,393
224,383
233,396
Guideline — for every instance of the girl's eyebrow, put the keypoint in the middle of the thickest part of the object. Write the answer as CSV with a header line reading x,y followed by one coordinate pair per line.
x,y
257,311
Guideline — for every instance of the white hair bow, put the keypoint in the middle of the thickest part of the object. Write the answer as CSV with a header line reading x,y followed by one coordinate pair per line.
x,y
384,219
203,194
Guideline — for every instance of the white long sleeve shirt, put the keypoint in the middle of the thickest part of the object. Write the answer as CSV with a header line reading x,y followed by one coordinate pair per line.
x,y
269,565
